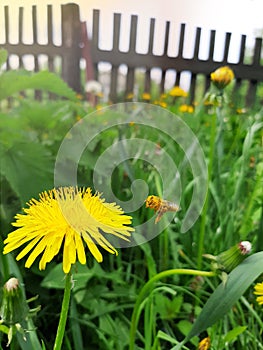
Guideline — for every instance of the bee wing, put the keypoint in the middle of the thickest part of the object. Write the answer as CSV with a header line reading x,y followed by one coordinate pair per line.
x,y
168,206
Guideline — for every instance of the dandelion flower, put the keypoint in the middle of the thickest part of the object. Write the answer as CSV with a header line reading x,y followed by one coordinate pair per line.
x,y
222,76
186,108
204,344
176,91
67,216
146,96
258,290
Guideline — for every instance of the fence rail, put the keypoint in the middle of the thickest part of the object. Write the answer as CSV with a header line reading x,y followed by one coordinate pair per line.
x,y
76,46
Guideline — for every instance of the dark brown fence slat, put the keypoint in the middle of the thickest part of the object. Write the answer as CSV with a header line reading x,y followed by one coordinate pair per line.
x,y
162,82
71,29
242,49
147,81
197,43
20,24
251,93
181,40
116,32
6,10
95,30
226,48
113,84
192,88
49,25
34,23
212,45
130,81
86,53
133,33
20,33
151,37
257,52
166,38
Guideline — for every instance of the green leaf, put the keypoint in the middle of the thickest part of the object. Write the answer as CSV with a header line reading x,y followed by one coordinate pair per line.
x,y
234,333
15,81
225,296
81,274
28,168
4,329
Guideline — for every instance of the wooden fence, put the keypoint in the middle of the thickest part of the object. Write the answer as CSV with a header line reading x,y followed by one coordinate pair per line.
x,y
76,46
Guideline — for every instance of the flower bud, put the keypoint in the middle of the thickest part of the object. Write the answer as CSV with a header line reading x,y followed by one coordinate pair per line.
x,y
232,257
222,76
14,308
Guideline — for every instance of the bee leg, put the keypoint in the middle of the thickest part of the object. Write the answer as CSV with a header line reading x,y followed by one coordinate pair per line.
x,y
159,216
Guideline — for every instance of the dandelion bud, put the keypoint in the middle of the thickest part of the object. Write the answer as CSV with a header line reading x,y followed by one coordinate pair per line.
x,y
232,257
14,308
245,247
222,76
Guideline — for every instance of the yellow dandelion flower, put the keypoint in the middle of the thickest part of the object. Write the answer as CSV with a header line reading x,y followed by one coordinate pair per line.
x,y
241,110
130,96
204,344
67,217
222,76
99,94
258,290
183,108
186,108
163,104
146,96
79,96
176,91
163,96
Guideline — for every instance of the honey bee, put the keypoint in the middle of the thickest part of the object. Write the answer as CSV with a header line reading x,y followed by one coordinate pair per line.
x,y
160,206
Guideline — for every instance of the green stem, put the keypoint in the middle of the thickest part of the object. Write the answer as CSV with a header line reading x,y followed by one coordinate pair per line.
x,y
63,314
163,239
210,169
147,288
4,266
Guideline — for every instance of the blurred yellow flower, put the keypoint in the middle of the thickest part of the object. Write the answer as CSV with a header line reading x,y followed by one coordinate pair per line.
x,y
79,96
241,110
163,104
130,96
258,290
66,217
222,76
177,92
163,96
100,94
186,108
146,96
204,344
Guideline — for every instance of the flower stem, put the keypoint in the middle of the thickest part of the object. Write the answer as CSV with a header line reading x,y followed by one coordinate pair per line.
x,y
63,314
210,170
147,289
